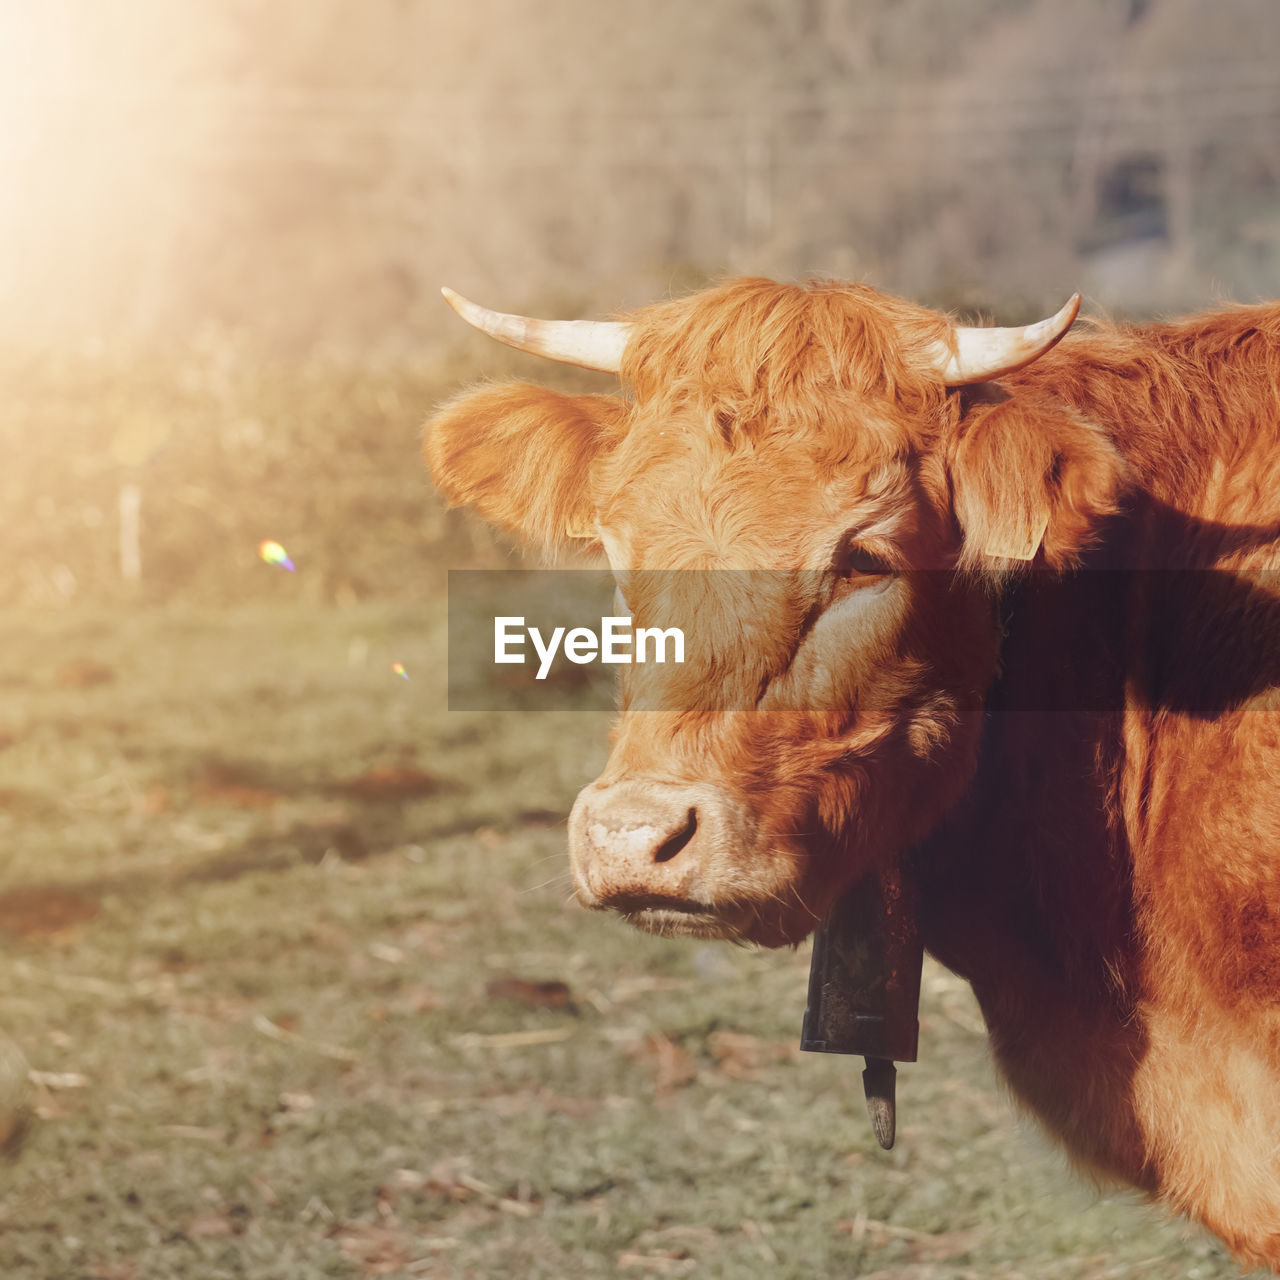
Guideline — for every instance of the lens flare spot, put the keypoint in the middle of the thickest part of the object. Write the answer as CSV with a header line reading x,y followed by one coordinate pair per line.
x,y
398,668
274,553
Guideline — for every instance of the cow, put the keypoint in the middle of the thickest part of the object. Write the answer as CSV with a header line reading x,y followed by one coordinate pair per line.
x,y
1027,571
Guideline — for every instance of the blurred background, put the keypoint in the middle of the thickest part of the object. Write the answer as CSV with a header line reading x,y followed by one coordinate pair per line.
x,y
288,948
209,191
306,173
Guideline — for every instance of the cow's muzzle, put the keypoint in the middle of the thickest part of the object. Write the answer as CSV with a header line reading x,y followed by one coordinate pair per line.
x,y
667,856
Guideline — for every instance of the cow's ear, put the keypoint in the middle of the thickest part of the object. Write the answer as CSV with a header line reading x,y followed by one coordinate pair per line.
x,y
520,456
1029,477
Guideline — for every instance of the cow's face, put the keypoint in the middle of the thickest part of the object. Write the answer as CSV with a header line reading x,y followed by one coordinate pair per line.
x,y
795,486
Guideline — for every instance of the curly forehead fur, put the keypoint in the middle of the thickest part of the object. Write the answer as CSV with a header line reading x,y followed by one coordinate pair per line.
x,y
755,356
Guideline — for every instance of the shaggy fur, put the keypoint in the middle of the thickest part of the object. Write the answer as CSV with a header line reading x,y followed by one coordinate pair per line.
x,y
1021,638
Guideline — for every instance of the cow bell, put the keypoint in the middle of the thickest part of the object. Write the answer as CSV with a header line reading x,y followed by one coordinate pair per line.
x,y
864,988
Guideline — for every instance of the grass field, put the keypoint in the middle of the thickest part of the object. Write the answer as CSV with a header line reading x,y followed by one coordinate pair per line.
x,y
290,952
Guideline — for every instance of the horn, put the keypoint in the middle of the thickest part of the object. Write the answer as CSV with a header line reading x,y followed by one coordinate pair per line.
x,y
592,344
982,354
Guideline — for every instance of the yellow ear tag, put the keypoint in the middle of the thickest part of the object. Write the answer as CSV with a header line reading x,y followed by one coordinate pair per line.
x,y
1022,544
580,529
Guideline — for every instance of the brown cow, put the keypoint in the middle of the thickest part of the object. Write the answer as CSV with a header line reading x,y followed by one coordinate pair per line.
x,y
1034,599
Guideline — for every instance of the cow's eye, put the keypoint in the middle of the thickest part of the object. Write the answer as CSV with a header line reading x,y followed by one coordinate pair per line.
x,y
854,562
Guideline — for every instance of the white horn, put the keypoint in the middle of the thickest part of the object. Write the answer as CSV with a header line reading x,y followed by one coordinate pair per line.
x,y
593,344
982,354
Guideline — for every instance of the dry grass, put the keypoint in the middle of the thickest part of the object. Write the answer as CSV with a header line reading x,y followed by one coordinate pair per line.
x,y
295,1018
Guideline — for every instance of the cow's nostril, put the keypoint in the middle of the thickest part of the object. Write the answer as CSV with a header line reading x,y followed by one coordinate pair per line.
x,y
673,844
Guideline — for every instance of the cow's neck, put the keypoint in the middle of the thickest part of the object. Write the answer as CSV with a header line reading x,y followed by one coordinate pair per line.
x,y
1025,887
1034,840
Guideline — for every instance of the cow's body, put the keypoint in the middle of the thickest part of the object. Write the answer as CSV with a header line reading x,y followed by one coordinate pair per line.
x,y
1083,783
1110,883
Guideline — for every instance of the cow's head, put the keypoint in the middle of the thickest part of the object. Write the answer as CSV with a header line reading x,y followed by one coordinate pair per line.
x,y
849,457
